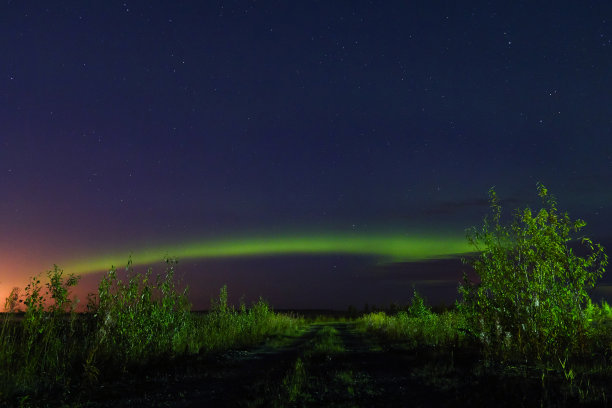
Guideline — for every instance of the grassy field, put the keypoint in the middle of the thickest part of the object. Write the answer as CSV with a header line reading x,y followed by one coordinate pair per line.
x,y
138,344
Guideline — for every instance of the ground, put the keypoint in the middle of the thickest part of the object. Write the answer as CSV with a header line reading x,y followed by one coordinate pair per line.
x,y
329,364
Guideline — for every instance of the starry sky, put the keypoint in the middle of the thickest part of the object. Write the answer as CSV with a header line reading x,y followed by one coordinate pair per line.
x,y
316,153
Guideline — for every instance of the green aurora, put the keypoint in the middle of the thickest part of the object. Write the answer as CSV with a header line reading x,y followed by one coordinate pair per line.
x,y
385,247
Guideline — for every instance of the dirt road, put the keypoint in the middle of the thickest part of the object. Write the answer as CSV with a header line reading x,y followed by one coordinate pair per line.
x,y
329,364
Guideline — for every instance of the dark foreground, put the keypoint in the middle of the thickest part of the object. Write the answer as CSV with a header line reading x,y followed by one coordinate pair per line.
x,y
329,365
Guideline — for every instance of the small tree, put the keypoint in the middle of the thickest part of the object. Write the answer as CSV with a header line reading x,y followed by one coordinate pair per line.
x,y
417,306
532,293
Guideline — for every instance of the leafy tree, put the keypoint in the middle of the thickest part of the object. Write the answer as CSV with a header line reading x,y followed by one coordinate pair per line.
x,y
532,295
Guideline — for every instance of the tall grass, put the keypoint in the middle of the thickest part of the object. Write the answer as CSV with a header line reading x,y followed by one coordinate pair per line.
x,y
35,350
435,330
421,327
139,320
144,318
416,326
226,327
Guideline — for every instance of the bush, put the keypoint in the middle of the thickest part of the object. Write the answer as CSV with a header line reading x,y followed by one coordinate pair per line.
x,y
225,327
140,319
429,329
532,295
417,306
33,351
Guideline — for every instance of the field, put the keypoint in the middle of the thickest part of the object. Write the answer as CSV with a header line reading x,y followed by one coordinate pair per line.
x,y
139,345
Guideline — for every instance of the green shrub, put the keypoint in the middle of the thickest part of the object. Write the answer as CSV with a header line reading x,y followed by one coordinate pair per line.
x,y
225,327
34,352
417,306
139,319
600,320
532,295
429,329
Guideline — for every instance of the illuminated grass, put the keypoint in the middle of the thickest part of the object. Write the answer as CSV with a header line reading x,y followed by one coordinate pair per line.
x,y
388,247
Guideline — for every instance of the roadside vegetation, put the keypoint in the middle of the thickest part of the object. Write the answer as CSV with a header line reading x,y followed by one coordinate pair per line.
x,y
417,326
527,316
47,348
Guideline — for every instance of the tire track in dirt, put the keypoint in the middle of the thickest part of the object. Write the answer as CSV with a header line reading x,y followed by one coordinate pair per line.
x,y
389,372
338,366
237,378
329,364
362,374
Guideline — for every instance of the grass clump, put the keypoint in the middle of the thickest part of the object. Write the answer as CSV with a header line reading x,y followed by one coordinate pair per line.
x,y
225,326
294,381
431,330
326,341
416,326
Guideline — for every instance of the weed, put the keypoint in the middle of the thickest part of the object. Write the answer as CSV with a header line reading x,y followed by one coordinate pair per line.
x,y
294,380
326,341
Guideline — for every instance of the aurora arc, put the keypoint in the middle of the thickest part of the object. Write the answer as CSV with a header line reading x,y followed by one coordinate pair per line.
x,y
387,248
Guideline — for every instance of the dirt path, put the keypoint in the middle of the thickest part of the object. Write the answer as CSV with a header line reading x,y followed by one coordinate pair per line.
x,y
361,374
330,364
230,379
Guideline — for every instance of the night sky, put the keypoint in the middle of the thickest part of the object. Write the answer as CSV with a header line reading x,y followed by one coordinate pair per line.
x,y
317,153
